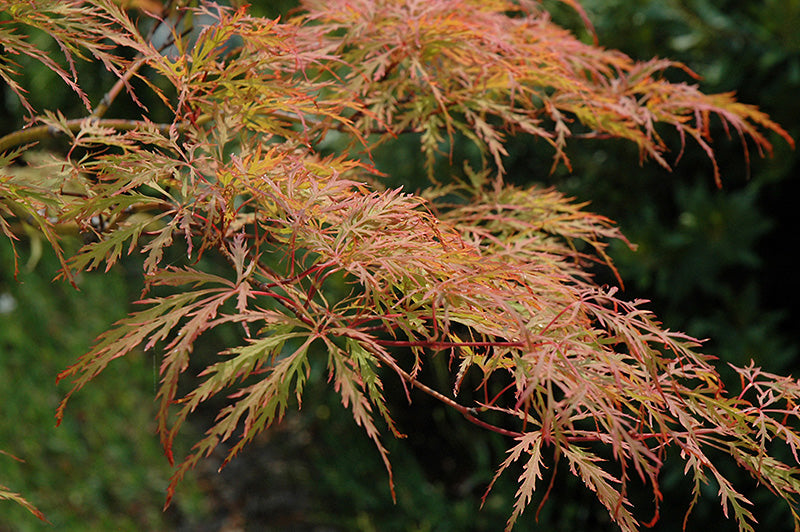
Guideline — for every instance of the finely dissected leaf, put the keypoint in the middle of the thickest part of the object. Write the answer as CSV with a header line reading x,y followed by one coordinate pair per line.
x,y
471,61
111,247
258,406
32,206
81,30
6,494
598,480
352,372
530,443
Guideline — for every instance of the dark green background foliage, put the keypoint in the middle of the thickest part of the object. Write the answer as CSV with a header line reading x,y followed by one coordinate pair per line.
x,y
102,469
715,263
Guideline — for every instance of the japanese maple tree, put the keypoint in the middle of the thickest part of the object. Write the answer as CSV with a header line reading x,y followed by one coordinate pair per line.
x,y
266,163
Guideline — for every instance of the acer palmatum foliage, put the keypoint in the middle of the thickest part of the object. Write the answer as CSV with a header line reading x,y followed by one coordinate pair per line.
x,y
328,267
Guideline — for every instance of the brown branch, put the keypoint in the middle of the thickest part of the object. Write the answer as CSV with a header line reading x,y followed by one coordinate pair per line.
x,y
33,134
112,94
37,133
124,80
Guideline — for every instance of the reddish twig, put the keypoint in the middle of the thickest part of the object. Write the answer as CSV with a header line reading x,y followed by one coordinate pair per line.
x,y
465,411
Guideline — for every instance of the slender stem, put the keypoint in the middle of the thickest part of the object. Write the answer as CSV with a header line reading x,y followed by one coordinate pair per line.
x,y
463,410
112,94
37,133
33,134
140,60
445,345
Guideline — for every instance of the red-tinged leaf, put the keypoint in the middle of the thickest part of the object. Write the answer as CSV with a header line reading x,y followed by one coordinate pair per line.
x,y
6,494
735,501
525,442
349,383
256,406
527,481
155,248
150,325
239,256
603,484
176,320
111,247
530,443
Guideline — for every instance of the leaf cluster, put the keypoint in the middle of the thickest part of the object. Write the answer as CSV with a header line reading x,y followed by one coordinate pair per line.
x,y
328,269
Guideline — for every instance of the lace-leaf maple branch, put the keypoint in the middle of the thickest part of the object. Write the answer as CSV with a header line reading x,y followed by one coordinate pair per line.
x,y
326,267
